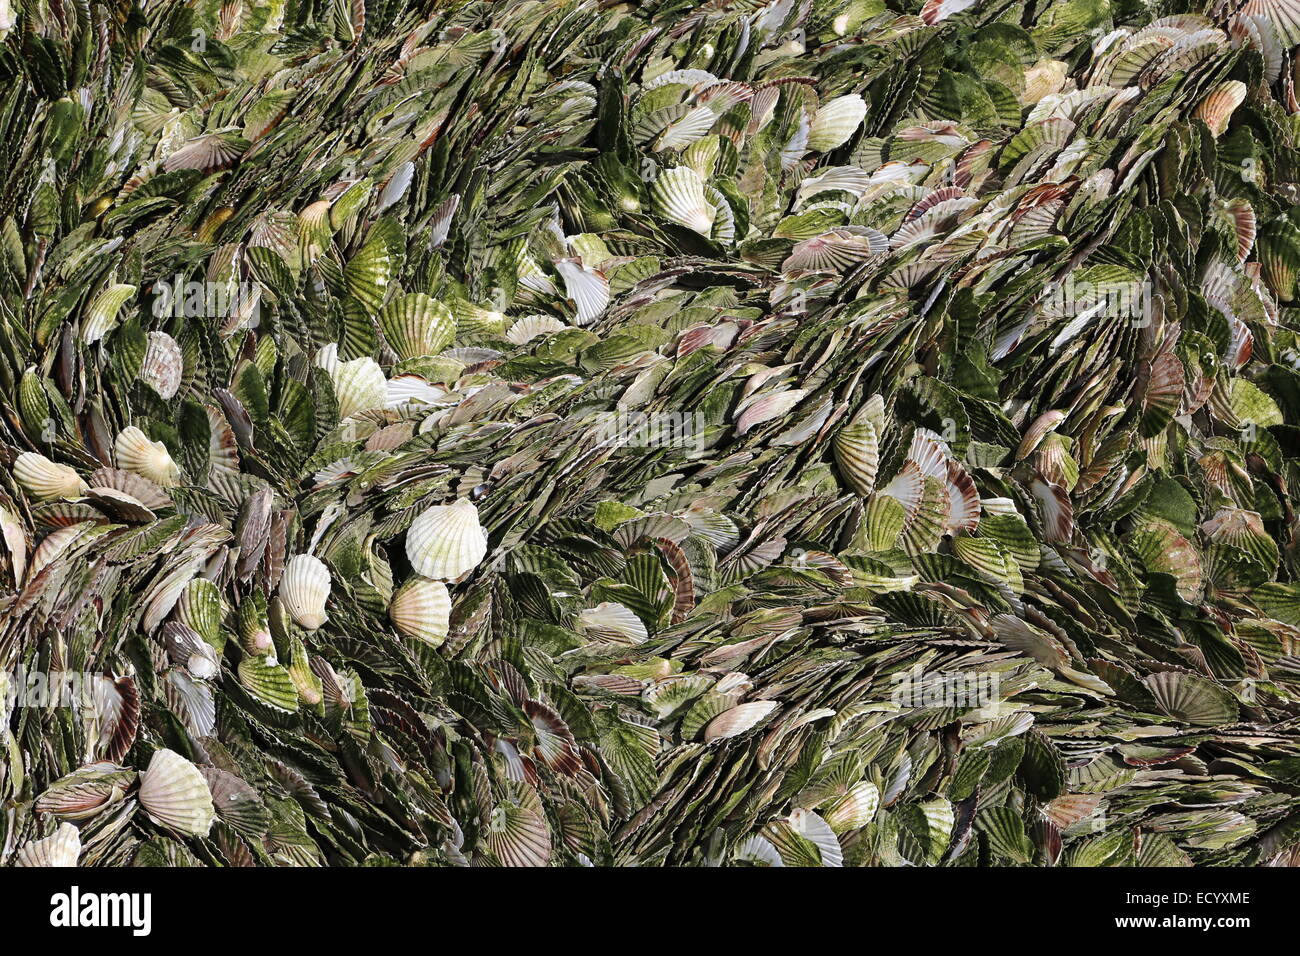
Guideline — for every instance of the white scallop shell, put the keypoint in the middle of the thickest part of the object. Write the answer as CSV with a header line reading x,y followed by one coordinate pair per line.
x,y
835,122
613,623
304,589
588,289
531,326
446,541
359,385
46,479
678,194
174,794
163,366
421,609
150,459
59,849
412,389
398,183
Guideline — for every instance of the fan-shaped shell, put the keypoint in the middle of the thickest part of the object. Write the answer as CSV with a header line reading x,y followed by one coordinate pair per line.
x,y
532,326
46,479
164,365
613,623
446,541
59,849
678,195
417,324
1218,106
149,459
421,608
175,795
304,589
359,386
835,122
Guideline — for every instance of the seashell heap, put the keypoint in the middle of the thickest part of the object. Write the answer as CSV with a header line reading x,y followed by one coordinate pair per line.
x,y
882,418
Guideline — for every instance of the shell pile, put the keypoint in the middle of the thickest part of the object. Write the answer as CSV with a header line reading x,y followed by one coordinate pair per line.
x,y
818,433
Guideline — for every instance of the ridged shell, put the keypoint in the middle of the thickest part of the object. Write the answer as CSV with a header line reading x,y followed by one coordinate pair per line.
x,y
857,452
150,459
417,324
304,589
46,479
587,288
174,794
835,122
421,609
101,316
137,486
738,719
1218,106
59,849
532,326
163,366
613,623
359,385
446,541
86,792
199,608
678,195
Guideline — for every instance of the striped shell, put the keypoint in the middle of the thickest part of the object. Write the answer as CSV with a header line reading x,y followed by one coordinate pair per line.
x,y
421,609
678,195
175,795
446,541
164,365
417,324
149,459
304,589
835,122
59,849
46,479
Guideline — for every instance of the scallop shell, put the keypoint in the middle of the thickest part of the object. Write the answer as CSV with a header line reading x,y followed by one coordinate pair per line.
x,y
835,122
1042,79
60,849
532,326
613,623
174,794
163,366
678,195
417,324
738,719
304,589
101,316
421,608
1218,106
46,479
446,541
137,486
150,459
857,452
588,288
359,386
